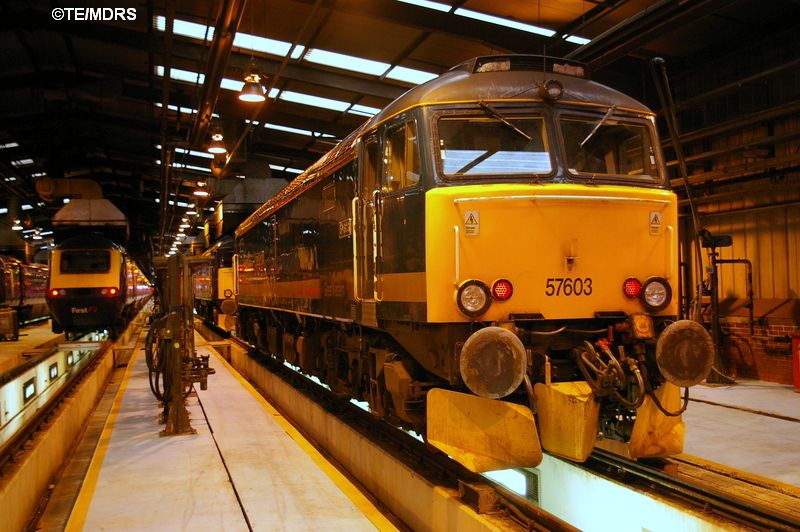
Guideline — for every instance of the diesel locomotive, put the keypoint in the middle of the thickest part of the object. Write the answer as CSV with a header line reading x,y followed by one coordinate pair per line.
x,y
492,261
93,285
213,282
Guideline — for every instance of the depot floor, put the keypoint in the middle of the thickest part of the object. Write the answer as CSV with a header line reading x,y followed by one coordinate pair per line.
x,y
753,426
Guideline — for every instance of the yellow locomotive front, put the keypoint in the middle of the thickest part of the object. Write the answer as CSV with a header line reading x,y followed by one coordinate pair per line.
x,y
554,233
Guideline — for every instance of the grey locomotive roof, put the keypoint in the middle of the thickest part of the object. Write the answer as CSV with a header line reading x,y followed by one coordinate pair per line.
x,y
463,83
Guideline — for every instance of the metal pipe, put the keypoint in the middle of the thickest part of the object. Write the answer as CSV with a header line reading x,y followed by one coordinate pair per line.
x,y
229,15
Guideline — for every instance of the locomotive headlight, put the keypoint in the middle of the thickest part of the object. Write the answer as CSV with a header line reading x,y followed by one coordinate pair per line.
x,y
656,294
473,298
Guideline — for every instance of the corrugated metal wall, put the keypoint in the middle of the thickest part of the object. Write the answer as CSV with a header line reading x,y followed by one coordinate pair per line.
x,y
770,238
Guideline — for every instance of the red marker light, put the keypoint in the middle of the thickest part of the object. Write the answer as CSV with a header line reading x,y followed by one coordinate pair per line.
x,y
632,287
502,289
110,292
53,292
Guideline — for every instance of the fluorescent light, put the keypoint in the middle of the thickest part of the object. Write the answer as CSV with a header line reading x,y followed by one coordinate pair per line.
x,y
430,5
190,167
22,162
530,28
265,45
46,233
346,62
66,200
8,145
10,178
195,153
26,207
39,174
3,210
410,75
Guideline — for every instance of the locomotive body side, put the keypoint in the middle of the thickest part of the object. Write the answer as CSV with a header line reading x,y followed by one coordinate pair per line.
x,y
472,238
22,288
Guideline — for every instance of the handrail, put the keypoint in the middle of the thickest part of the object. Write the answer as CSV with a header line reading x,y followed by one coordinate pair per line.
x,y
353,231
569,197
671,253
457,256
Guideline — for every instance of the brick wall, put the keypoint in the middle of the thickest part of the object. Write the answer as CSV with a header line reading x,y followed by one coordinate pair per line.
x,y
765,354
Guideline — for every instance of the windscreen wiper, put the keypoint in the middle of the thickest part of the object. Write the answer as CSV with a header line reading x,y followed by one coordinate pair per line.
x,y
495,113
600,123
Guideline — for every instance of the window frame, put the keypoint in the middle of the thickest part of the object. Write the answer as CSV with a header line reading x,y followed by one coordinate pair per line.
x,y
70,271
658,181
526,112
399,124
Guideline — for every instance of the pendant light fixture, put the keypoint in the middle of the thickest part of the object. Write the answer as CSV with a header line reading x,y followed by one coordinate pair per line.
x,y
216,145
253,90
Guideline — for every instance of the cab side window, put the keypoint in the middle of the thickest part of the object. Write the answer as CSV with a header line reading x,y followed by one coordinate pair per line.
x,y
401,165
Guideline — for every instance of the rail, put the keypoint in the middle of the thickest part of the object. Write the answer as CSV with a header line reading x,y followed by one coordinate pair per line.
x,y
707,499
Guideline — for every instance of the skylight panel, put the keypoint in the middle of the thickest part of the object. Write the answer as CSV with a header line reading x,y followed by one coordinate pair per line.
x,y
346,62
530,28
430,5
185,110
281,168
185,28
181,75
315,101
363,110
578,40
410,75
265,45
231,84
8,145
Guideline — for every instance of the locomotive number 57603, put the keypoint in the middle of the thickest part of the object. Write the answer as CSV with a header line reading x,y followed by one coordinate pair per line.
x,y
566,286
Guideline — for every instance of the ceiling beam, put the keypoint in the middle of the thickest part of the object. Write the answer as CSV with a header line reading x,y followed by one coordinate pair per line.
x,y
635,32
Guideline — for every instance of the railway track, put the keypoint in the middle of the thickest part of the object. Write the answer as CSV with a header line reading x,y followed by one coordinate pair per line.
x,y
23,425
700,497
